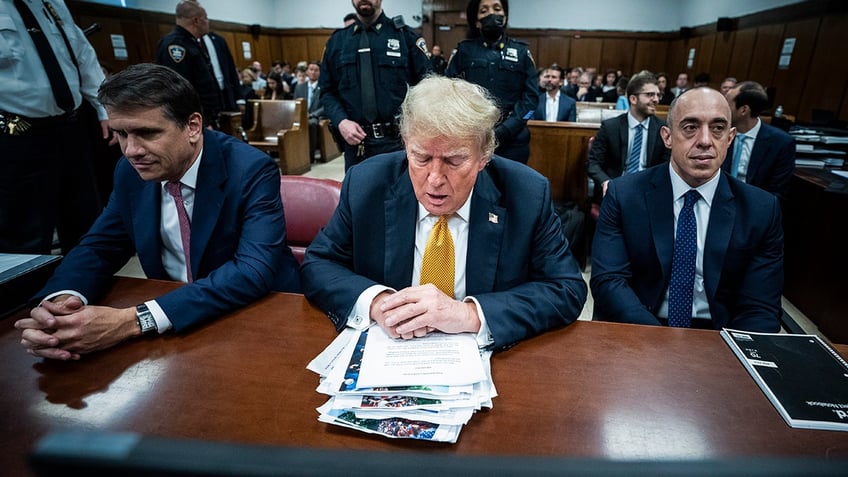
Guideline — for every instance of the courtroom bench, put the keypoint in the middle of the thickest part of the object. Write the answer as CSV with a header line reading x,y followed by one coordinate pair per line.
x,y
281,129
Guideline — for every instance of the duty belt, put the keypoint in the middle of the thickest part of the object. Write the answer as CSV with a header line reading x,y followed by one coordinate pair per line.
x,y
15,125
380,130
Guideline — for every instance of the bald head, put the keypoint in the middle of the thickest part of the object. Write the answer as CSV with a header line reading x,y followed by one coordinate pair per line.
x,y
192,17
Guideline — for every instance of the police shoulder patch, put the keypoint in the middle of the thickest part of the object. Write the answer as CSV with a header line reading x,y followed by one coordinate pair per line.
x,y
421,44
177,53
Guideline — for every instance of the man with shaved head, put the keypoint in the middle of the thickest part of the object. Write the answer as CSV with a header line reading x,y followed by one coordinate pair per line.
x,y
684,244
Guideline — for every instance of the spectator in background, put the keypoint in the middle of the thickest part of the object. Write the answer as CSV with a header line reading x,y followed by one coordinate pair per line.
x,y
311,92
554,105
277,88
621,88
248,77
439,62
586,92
571,78
728,84
610,82
702,80
666,96
681,85
349,19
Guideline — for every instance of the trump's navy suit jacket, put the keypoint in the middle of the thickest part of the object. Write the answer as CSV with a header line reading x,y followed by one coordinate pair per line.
x,y
238,236
772,161
567,108
634,245
519,266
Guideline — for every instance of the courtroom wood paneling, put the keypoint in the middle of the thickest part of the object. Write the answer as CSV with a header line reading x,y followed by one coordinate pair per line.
x,y
238,52
743,51
676,63
766,53
315,47
586,52
295,48
828,72
793,80
650,55
554,49
722,49
704,58
617,54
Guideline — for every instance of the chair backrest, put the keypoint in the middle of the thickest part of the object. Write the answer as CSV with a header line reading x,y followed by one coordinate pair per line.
x,y
274,116
308,203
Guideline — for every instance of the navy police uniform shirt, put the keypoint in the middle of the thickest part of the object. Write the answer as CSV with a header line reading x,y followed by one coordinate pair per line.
x,y
399,60
180,51
506,69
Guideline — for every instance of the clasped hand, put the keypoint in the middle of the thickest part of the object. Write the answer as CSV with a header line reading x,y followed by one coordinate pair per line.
x,y
415,311
66,328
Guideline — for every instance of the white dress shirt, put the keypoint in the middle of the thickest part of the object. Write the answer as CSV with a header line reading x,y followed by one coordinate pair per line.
x,y
359,317
700,305
25,87
213,59
551,107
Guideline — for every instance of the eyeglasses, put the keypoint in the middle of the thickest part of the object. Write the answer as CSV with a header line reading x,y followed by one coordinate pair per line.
x,y
651,94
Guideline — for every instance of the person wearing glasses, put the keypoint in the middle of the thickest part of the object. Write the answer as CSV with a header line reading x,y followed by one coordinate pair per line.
x,y
631,142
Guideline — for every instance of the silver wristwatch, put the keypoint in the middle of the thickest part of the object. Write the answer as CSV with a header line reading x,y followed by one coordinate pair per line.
x,y
145,319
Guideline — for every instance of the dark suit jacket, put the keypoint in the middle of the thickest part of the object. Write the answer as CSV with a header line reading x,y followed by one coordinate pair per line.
x,y
772,161
567,108
232,83
316,110
608,154
519,266
634,245
238,236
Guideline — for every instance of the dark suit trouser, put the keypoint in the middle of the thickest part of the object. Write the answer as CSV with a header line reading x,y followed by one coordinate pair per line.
x,y
372,148
47,182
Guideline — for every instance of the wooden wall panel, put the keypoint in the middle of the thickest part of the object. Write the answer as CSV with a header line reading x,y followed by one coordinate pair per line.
x,y
743,51
295,48
828,71
791,81
554,49
676,60
586,52
704,58
650,55
238,53
766,51
315,47
617,54
720,64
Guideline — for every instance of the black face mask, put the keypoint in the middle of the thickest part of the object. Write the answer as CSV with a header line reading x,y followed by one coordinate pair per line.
x,y
493,26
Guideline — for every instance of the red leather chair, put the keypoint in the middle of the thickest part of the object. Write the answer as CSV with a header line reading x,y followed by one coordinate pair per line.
x,y
308,203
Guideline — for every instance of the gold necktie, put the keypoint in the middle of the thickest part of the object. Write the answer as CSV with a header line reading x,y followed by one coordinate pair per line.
x,y
437,267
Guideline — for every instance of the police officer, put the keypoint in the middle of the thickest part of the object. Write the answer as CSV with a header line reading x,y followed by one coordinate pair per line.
x,y
48,70
503,66
184,51
362,106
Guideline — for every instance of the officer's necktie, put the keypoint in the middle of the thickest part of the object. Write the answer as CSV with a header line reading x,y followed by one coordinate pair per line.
x,y
738,146
175,189
366,78
437,267
635,152
683,264
58,82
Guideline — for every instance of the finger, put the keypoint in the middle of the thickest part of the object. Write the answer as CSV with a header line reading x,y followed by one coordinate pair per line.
x,y
420,332
39,318
54,353
37,339
407,336
403,314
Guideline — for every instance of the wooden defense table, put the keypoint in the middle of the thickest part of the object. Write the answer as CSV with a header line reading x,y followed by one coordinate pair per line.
x,y
591,390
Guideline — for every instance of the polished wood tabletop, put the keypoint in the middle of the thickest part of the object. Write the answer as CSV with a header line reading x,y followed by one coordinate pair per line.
x,y
598,390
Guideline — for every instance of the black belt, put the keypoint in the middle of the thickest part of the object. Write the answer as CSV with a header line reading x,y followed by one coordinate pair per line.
x,y
380,130
15,124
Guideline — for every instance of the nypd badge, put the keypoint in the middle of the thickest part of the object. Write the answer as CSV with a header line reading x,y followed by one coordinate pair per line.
x,y
511,54
177,53
421,44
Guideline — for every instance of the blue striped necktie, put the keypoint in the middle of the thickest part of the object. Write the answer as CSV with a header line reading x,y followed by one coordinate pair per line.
x,y
683,264
635,152
739,145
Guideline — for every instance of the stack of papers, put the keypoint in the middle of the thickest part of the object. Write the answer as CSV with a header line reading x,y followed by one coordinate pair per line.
x,y
424,388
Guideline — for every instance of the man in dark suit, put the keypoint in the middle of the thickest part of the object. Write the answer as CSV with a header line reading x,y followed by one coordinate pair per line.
x,y
195,205
311,92
586,91
685,244
509,273
226,74
620,147
761,155
560,106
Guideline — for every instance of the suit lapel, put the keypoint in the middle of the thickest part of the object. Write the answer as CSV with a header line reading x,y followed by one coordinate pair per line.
x,y
722,217
623,132
209,198
485,236
401,214
146,207
759,153
659,202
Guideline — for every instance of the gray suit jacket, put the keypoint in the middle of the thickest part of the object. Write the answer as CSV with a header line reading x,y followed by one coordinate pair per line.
x,y
316,110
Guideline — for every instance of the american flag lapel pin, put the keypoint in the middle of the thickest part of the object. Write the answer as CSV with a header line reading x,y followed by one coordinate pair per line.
x,y
493,218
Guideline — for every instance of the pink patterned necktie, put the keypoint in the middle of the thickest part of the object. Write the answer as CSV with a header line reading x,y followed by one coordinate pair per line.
x,y
175,189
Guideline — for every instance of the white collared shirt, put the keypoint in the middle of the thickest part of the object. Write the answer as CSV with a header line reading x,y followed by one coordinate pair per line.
x,y
213,59
458,224
700,304
632,122
747,147
551,107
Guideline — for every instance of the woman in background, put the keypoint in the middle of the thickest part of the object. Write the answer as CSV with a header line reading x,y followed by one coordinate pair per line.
x,y
247,79
505,68
277,88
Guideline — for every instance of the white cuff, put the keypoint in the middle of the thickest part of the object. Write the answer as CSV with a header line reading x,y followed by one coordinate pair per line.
x,y
484,336
163,324
65,292
360,315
